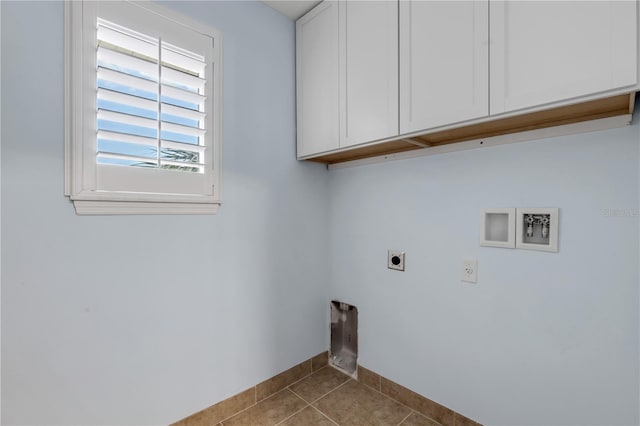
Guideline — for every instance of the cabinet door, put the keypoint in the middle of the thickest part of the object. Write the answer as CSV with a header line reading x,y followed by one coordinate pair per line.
x,y
317,80
548,51
368,71
444,63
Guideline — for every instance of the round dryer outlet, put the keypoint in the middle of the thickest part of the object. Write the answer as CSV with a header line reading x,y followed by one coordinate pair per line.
x,y
395,260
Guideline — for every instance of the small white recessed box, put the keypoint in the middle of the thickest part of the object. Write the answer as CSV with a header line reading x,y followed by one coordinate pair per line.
x,y
498,228
537,228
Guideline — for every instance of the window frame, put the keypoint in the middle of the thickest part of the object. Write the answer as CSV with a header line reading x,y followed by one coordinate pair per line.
x,y
81,170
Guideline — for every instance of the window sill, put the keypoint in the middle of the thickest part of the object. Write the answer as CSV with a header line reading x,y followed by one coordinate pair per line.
x,y
95,208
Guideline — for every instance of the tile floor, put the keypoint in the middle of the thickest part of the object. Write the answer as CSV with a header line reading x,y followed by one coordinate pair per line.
x,y
328,398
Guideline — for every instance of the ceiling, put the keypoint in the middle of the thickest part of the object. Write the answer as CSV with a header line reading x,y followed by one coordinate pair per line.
x,y
292,8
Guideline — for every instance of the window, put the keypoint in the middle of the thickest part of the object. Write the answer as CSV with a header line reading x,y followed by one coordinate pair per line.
x,y
142,106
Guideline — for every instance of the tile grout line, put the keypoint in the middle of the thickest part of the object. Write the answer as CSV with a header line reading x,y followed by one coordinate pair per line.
x,y
298,381
323,395
310,372
332,390
279,390
293,414
323,414
379,390
308,404
404,405
221,422
255,391
285,388
407,416
299,396
398,402
411,410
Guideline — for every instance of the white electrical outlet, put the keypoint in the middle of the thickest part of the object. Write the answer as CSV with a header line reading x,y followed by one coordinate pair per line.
x,y
469,271
395,260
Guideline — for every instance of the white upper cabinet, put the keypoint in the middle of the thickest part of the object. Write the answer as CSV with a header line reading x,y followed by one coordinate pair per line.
x,y
368,71
444,63
548,51
317,78
378,77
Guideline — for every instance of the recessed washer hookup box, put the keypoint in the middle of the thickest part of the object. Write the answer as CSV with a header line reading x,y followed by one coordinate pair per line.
x,y
343,353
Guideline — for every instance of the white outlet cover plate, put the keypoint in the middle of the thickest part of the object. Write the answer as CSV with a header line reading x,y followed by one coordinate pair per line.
x,y
391,254
469,271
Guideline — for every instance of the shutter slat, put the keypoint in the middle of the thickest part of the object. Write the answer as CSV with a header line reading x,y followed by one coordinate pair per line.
x,y
183,112
177,78
141,140
126,137
127,80
182,146
111,57
116,156
128,42
185,130
182,95
180,163
125,99
183,61
133,120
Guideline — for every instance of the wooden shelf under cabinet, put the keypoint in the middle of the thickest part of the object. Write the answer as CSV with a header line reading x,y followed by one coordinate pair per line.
x,y
585,111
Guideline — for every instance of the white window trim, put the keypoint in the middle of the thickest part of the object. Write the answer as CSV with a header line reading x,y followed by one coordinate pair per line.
x,y
91,202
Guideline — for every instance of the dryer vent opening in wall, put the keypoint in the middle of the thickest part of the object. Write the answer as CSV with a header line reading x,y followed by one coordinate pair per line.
x,y
343,353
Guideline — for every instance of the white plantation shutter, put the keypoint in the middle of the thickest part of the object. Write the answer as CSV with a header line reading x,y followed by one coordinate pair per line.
x,y
149,102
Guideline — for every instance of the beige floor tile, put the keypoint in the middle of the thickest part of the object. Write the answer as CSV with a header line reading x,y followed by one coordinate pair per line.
x,y
419,403
416,419
355,404
319,383
268,412
308,417
282,380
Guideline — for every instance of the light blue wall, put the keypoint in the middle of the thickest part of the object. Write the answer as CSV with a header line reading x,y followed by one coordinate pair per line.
x,y
144,320
542,338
